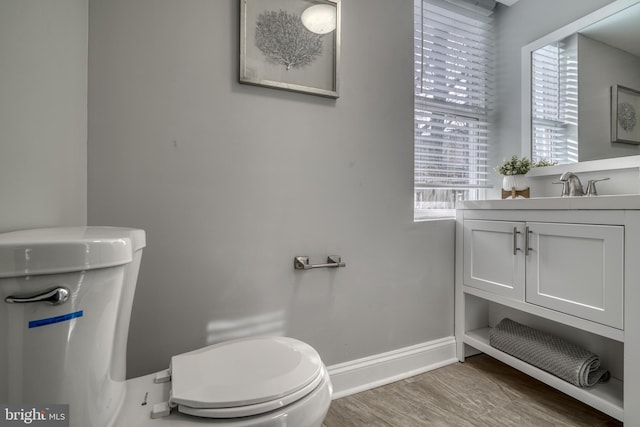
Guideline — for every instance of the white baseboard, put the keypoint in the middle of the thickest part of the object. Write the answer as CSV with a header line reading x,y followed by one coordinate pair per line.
x,y
380,369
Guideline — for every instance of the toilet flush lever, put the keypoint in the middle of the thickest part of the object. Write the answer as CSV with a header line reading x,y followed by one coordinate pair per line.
x,y
54,296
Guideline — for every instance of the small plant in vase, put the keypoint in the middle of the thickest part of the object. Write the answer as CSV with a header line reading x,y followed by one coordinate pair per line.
x,y
514,173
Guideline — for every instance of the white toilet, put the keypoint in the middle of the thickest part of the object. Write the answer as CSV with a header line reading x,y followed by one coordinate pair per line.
x,y
66,298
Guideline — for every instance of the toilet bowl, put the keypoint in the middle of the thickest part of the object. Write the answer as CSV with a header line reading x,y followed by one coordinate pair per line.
x,y
66,299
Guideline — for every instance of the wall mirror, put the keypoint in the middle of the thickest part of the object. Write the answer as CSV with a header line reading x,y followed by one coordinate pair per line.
x,y
567,81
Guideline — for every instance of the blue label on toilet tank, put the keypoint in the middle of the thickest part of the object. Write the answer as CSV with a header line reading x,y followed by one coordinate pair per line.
x,y
56,319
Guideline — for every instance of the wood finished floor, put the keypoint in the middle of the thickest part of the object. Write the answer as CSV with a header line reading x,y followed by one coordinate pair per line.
x,y
480,392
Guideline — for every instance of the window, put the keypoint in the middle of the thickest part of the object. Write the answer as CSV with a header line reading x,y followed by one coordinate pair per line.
x,y
554,102
453,52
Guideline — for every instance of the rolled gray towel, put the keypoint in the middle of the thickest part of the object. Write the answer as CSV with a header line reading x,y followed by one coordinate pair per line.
x,y
548,352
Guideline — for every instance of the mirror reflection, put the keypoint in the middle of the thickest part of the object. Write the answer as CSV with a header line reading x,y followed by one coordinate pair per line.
x,y
571,81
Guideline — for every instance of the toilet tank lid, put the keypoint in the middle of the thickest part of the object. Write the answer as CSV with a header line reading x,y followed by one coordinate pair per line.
x,y
67,249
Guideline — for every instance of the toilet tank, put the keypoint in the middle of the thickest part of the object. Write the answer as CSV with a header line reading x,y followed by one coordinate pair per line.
x,y
67,352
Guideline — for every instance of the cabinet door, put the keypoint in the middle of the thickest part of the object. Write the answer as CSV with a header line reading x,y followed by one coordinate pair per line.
x,y
493,257
577,269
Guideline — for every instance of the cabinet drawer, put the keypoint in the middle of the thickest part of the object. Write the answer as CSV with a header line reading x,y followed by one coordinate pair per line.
x,y
577,269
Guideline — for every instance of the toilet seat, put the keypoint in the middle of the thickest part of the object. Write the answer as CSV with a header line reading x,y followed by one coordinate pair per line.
x,y
244,377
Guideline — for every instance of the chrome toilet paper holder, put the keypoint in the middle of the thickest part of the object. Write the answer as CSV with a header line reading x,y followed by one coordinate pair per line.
x,y
302,263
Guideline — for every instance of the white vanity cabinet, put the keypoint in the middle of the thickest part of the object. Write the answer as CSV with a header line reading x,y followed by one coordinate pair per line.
x,y
573,272
575,269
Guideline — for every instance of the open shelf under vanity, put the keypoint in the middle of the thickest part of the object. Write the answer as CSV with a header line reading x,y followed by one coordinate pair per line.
x,y
606,397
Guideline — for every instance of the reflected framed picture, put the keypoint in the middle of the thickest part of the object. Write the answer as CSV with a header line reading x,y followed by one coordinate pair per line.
x,y
291,44
625,114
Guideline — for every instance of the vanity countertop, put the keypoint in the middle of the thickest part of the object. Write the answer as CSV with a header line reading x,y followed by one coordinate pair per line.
x,y
613,202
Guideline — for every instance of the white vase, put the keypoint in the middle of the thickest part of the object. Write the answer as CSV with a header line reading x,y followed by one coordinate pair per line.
x,y
519,182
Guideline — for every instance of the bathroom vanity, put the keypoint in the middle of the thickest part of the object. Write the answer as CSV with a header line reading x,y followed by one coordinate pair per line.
x,y
568,266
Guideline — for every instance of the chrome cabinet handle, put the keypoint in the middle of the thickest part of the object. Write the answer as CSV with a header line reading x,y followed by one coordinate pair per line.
x,y
54,296
527,233
515,241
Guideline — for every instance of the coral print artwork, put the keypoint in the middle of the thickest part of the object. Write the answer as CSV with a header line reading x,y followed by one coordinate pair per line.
x,y
625,108
291,44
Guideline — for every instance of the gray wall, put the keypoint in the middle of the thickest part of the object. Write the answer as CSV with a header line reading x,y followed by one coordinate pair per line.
x,y
601,66
232,181
43,113
517,26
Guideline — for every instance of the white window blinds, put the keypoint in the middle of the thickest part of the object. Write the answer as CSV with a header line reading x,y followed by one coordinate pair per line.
x,y
554,102
454,57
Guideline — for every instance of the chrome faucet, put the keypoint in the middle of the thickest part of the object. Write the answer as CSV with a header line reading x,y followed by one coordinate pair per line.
x,y
571,185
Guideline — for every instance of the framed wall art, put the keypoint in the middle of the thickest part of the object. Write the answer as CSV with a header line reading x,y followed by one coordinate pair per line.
x,y
291,44
625,114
